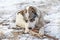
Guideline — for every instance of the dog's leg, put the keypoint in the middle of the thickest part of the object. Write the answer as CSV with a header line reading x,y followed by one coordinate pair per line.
x,y
26,28
41,31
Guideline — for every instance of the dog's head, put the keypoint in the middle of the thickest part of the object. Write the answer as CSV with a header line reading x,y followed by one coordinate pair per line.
x,y
30,16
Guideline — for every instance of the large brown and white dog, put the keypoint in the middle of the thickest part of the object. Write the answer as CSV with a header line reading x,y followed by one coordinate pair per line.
x,y
30,18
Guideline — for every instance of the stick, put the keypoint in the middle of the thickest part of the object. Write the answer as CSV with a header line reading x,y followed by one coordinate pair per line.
x,y
38,34
50,37
35,34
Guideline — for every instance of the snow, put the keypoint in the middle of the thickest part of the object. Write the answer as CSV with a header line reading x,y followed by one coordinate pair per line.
x,y
54,18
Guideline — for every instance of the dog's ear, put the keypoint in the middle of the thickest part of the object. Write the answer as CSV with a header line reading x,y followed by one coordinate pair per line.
x,y
21,12
35,15
32,9
32,13
25,11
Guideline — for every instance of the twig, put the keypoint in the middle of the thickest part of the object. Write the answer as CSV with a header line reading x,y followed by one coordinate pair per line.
x,y
37,34
41,36
51,37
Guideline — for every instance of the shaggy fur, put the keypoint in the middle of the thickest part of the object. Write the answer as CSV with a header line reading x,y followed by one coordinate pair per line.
x,y
30,18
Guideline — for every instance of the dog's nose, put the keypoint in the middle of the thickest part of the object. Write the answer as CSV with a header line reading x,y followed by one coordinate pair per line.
x,y
30,28
26,20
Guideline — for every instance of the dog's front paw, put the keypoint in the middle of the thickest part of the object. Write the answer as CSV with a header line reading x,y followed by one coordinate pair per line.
x,y
26,30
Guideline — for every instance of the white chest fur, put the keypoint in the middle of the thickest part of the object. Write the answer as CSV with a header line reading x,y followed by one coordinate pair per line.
x,y
20,21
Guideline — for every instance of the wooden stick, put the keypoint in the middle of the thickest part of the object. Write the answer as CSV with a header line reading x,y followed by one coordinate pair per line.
x,y
35,34
51,37
38,34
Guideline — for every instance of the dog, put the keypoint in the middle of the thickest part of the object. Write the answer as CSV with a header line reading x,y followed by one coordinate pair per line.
x,y
30,18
